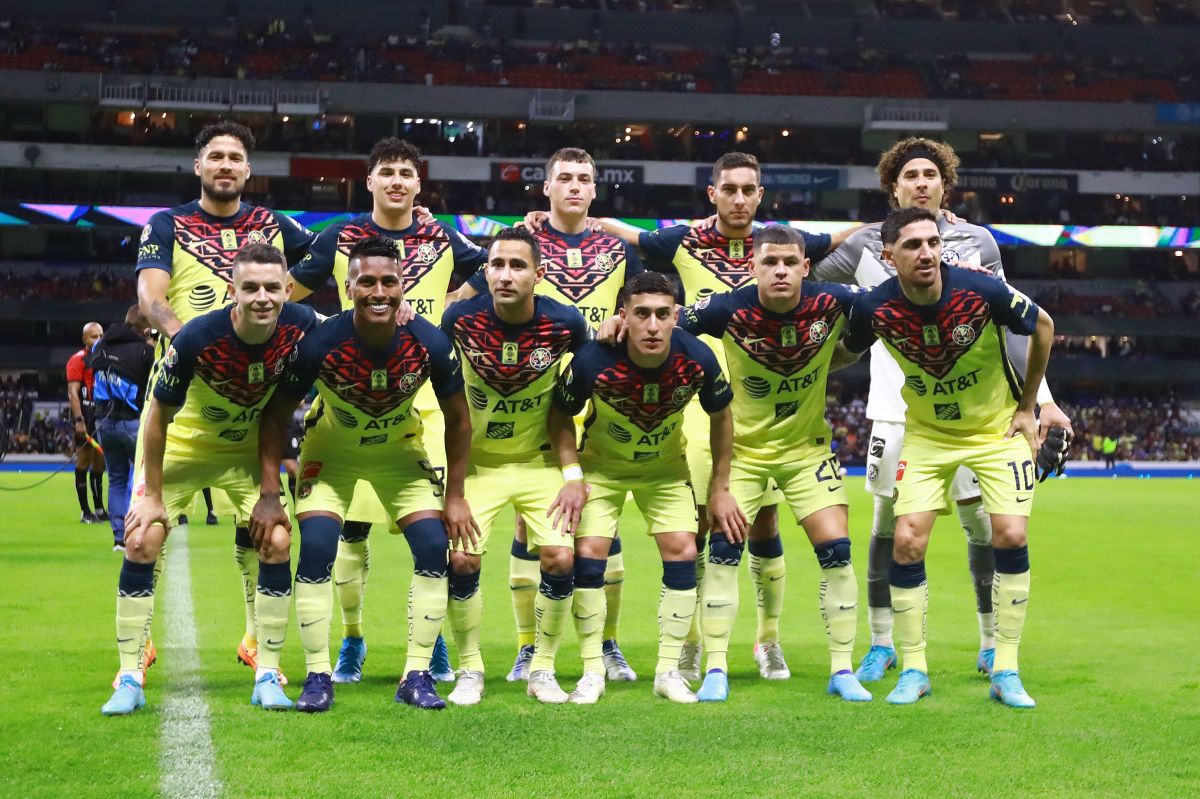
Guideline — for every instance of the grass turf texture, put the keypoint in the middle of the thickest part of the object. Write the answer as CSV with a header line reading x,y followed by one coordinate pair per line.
x,y
1107,654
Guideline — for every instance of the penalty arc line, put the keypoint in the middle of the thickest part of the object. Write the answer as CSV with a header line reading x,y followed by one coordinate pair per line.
x,y
187,761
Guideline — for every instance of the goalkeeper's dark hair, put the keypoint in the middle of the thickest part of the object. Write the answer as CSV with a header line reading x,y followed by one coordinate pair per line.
x,y
735,160
779,234
647,283
226,127
393,149
901,219
522,235
259,252
374,247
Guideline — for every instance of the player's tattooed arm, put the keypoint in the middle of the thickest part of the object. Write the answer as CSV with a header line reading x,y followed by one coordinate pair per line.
x,y
149,509
460,522
564,512
724,515
269,512
152,299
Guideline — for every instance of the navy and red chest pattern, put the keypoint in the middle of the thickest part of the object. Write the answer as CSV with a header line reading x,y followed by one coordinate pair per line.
x,y
372,383
785,345
207,242
242,375
713,251
420,249
647,399
598,257
510,363
934,344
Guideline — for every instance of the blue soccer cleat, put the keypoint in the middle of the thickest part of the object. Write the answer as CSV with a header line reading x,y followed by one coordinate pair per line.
x,y
317,695
439,664
520,669
268,693
128,697
715,687
847,686
984,662
912,686
417,689
1007,689
877,661
350,660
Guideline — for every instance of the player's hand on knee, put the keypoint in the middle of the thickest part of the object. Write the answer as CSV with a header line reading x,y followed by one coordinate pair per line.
x,y
267,515
533,221
277,543
1052,455
567,507
612,330
1024,424
725,515
460,523
146,512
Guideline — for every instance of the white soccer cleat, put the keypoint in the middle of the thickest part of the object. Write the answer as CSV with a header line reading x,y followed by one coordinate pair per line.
x,y
771,665
616,668
689,661
589,689
544,688
468,689
671,685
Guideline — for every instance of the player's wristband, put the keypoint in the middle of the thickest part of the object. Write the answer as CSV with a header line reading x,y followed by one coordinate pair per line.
x,y
1044,397
79,418
572,472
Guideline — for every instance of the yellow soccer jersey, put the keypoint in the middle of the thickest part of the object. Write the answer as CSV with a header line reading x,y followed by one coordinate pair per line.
x,y
222,383
959,383
510,372
779,363
429,254
366,396
637,414
197,249
586,270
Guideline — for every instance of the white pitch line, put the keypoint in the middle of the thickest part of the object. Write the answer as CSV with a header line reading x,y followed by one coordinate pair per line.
x,y
187,762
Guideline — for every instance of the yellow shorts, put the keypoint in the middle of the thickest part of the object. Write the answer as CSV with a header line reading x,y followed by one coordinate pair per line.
x,y
184,479
365,505
529,487
926,471
403,480
810,482
699,454
665,499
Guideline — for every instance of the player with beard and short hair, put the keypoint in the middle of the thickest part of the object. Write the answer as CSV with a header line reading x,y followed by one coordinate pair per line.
x,y
201,429
512,342
432,253
920,173
966,405
184,266
364,427
586,268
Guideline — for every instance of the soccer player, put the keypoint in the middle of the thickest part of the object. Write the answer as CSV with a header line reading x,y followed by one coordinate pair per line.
x,y
966,406
919,173
633,442
779,335
587,268
89,459
431,253
184,267
121,361
512,344
368,370
709,259
202,429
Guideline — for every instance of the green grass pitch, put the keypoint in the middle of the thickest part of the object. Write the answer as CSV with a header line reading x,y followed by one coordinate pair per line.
x,y
1108,653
